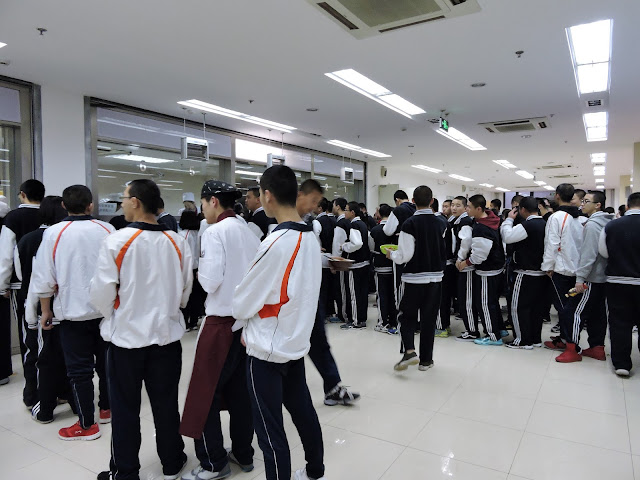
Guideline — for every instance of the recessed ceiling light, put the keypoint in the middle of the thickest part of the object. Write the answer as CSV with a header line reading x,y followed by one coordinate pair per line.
x,y
374,91
525,174
598,157
460,177
140,158
505,163
540,183
349,146
596,126
208,107
428,169
488,185
478,85
2,44
500,189
599,180
460,138
590,46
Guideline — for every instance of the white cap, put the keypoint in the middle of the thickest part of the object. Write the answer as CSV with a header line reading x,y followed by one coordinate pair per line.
x,y
188,197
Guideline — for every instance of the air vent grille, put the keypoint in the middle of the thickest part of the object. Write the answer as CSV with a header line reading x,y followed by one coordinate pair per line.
x,y
337,15
594,103
520,125
565,176
554,167
410,24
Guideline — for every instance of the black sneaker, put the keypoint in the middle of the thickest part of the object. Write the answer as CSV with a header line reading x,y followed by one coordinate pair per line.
x,y
106,475
556,328
340,395
346,326
518,346
467,337
407,359
359,325
425,366
232,458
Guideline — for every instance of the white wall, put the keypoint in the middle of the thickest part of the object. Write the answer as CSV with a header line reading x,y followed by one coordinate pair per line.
x,y
409,178
63,152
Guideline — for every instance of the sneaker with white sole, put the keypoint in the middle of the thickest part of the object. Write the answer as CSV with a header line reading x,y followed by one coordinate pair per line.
x,y
556,328
381,328
200,473
537,345
486,341
340,395
244,467
76,432
176,476
622,372
302,475
424,366
407,360
518,346
467,337
393,331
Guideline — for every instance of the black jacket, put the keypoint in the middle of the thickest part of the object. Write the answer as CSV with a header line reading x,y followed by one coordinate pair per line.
x,y
262,221
429,256
380,262
527,254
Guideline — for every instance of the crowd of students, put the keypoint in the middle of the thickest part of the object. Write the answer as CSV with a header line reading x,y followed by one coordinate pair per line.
x,y
92,298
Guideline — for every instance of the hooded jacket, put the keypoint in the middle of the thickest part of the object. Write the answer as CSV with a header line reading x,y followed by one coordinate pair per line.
x,y
487,252
563,241
592,265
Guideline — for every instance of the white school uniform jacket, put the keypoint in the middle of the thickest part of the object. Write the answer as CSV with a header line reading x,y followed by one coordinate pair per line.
x,y
143,278
279,294
228,247
65,264
562,243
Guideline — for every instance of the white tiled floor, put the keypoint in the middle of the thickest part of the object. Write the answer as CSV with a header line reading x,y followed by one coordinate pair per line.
x,y
481,413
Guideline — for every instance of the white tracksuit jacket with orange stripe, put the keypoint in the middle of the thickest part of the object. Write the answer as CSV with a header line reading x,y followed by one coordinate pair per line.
x,y
65,264
278,296
143,277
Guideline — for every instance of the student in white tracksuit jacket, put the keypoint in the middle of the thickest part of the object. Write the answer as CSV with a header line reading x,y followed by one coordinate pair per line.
x,y
562,244
143,277
278,298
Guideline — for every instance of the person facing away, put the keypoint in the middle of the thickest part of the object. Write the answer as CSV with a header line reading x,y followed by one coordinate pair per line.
x,y
278,298
65,264
165,218
383,269
143,277
219,369
189,230
421,249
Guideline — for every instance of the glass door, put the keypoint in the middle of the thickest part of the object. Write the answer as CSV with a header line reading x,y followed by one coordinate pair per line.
x,y
8,156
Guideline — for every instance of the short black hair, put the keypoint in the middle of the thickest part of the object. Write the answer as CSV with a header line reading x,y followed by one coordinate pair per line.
x,y
565,191
51,210
355,208
579,192
622,209
448,200
505,213
609,210
400,195
384,210
423,195
227,200
542,201
77,199
462,199
554,205
341,202
161,203
281,182
310,186
478,201
147,193
435,205
530,204
238,209
255,191
33,189
634,200
516,198
324,204
190,220
362,206
599,197
496,203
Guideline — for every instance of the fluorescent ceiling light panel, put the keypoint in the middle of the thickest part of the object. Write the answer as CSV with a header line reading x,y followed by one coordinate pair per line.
x,y
549,187
428,169
140,158
595,125
505,163
2,44
356,148
598,157
540,183
488,185
460,177
525,174
459,137
500,189
208,107
374,91
244,172
590,46
599,180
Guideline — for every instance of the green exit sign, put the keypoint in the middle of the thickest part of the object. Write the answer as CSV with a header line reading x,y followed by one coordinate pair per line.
x,y
444,124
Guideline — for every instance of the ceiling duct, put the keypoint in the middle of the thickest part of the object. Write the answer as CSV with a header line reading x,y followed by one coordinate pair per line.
x,y
521,125
553,167
367,18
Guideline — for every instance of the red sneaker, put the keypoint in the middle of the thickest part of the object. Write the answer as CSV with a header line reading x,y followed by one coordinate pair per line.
x,y
595,352
76,432
570,355
555,343
105,416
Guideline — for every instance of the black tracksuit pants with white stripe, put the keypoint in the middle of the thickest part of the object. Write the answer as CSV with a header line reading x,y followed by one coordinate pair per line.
x,y
53,382
466,305
387,313
422,299
566,306
592,309
527,308
624,305
355,294
272,385
6,369
486,294
28,349
449,287
159,367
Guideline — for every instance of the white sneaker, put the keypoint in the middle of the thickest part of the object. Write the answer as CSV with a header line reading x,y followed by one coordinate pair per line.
x,y
380,328
622,372
302,475
200,473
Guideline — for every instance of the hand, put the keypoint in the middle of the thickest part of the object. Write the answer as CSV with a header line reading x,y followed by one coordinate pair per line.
x,y
460,265
513,213
323,250
244,344
6,294
332,270
550,273
46,320
388,254
580,288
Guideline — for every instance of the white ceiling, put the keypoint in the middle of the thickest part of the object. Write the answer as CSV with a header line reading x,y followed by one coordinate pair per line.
x,y
151,53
